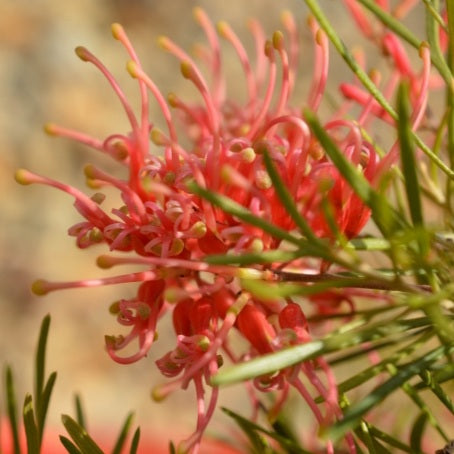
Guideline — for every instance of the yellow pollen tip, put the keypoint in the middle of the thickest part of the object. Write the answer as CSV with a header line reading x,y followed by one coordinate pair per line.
x,y
186,69
163,42
226,171
198,229
92,184
39,287
158,394
90,171
320,36
173,295
269,49
114,308
132,69
198,13
424,47
248,154
172,99
311,20
278,40
50,129
158,137
223,28
117,30
82,53
22,176
104,262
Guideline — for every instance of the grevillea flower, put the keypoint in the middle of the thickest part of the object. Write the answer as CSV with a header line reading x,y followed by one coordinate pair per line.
x,y
221,145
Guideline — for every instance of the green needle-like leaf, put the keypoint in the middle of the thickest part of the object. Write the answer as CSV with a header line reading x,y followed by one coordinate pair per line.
x,y
80,416
355,412
253,431
12,409
372,371
369,244
417,433
44,404
430,380
388,439
135,442
373,446
271,256
31,429
40,362
80,436
268,363
70,447
407,154
293,355
123,434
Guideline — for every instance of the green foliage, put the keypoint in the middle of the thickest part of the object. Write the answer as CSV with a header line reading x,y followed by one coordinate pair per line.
x,y
35,411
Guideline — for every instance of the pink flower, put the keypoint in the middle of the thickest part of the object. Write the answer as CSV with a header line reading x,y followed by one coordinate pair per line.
x,y
170,230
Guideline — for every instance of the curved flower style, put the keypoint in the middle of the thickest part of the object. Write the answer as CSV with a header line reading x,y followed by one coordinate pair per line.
x,y
169,230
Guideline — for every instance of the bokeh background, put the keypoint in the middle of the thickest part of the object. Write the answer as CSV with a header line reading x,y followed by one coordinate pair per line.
x,y
42,80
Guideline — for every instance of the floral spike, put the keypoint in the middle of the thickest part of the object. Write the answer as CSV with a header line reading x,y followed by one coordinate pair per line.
x,y
210,191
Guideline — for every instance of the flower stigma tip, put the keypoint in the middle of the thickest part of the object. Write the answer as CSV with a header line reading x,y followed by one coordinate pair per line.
x,y
82,53
117,30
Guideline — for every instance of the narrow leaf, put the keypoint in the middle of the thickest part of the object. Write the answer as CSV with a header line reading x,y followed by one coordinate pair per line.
x,y
407,154
44,404
80,436
369,244
135,442
355,412
267,363
80,417
284,432
430,380
70,447
12,409
388,439
172,449
252,431
433,22
373,446
40,361
295,354
417,433
123,434
271,256
376,369
31,429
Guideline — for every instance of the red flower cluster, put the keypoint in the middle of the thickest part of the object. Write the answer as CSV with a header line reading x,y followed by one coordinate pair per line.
x,y
169,230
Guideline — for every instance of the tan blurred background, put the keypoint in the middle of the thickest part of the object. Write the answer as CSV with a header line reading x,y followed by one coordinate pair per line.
x,y
42,80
